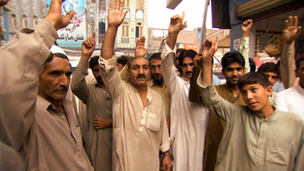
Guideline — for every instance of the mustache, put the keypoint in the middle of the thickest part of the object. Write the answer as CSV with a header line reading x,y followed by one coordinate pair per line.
x,y
60,88
189,72
157,74
141,76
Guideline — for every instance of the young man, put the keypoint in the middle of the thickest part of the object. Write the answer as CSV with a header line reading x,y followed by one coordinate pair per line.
x,y
233,69
41,127
292,99
139,123
188,120
272,71
98,133
256,136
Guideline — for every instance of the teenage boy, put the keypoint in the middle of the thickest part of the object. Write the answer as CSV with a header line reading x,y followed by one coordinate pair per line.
x,y
256,136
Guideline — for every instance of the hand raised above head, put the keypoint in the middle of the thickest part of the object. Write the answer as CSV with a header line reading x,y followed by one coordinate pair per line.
x,y
246,27
292,31
88,47
140,49
55,16
116,14
207,52
177,23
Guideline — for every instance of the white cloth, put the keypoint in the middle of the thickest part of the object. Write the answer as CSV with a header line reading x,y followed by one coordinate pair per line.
x,y
189,120
291,100
139,132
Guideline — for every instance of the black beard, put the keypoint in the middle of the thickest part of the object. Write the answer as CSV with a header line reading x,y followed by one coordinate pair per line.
x,y
158,81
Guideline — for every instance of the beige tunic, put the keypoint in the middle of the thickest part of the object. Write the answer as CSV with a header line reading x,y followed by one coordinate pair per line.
x,y
164,92
98,143
139,132
43,136
252,143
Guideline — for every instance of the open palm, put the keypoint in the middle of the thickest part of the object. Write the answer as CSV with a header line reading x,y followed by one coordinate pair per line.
x,y
116,14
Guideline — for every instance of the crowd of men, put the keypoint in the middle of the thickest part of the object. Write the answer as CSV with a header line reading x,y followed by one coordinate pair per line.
x,y
169,112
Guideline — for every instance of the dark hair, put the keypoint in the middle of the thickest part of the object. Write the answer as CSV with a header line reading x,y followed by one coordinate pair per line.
x,y
231,57
186,53
179,50
253,78
132,59
63,56
298,62
252,65
93,61
155,56
123,60
269,67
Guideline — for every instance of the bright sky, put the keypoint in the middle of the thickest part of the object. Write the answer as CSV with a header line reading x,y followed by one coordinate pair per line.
x,y
159,15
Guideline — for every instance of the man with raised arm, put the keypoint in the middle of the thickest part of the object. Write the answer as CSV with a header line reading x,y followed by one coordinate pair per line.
x,y
41,127
139,122
188,120
98,133
256,136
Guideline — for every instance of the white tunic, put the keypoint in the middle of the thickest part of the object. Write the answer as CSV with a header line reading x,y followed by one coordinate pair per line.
x,y
188,120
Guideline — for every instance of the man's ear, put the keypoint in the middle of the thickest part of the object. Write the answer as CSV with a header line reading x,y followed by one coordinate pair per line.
x,y
269,90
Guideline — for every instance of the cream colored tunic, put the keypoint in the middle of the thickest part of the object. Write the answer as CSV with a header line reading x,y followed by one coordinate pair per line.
x,y
251,143
139,132
45,138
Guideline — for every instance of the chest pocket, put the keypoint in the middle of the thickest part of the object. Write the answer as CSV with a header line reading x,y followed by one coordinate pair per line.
x,y
153,122
276,152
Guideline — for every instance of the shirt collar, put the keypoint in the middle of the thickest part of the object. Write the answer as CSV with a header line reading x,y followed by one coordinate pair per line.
x,y
149,94
44,104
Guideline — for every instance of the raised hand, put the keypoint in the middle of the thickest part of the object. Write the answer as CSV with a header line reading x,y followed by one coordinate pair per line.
x,y
116,14
88,47
177,23
55,16
292,30
140,49
207,52
246,27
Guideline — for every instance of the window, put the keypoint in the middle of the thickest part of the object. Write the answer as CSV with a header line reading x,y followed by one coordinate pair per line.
x,y
14,22
140,4
139,30
126,3
125,29
24,21
35,20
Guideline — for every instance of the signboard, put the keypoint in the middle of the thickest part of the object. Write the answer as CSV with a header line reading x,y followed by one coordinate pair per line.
x,y
236,44
75,33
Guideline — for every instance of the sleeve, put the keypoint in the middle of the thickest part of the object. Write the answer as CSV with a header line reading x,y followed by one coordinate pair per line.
x,y
299,164
111,77
214,101
280,102
168,68
194,91
165,140
245,52
78,83
21,63
288,66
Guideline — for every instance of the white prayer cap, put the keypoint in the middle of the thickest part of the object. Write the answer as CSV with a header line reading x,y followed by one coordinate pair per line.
x,y
56,49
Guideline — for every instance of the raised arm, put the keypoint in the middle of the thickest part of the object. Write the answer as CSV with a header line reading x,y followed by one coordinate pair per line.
x,y
291,32
210,97
20,71
140,50
78,83
115,18
246,27
168,52
107,64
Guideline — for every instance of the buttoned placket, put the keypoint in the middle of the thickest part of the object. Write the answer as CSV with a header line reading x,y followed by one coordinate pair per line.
x,y
260,151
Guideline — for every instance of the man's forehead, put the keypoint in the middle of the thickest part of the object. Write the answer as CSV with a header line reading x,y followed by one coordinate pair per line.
x,y
155,61
139,61
234,65
270,73
58,63
187,60
249,86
